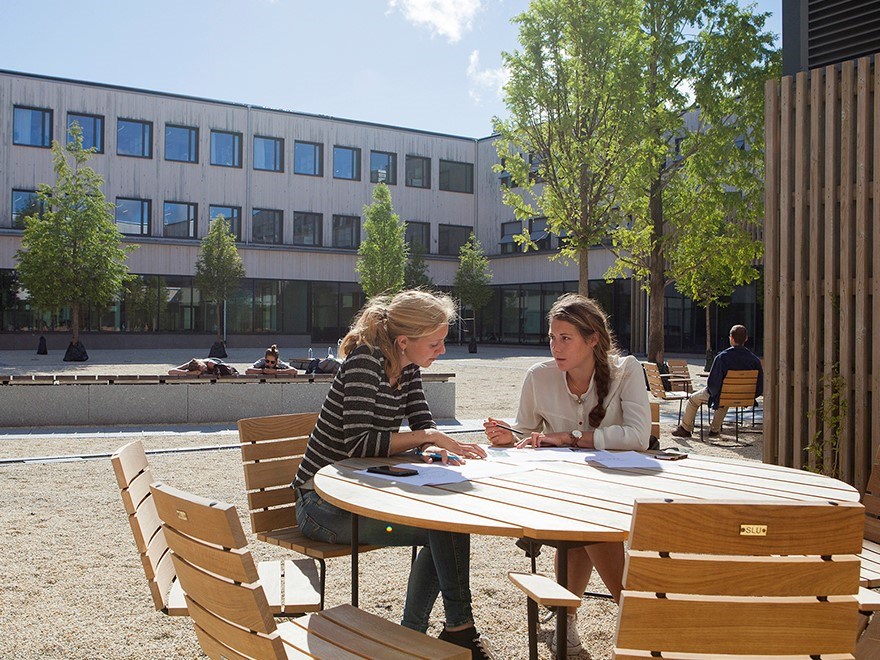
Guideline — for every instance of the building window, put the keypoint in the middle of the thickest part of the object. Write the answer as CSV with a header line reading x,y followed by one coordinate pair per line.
x,y
383,167
456,177
308,158
418,233
347,163
346,231
266,225
307,228
31,127
451,238
269,154
232,215
539,234
133,216
225,149
25,203
92,130
181,143
179,220
508,231
134,138
418,172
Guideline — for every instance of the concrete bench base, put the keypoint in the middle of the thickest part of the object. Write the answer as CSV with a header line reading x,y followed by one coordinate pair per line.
x,y
223,401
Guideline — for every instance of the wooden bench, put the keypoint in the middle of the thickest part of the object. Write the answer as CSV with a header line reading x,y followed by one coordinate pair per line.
x,y
229,609
271,450
541,590
133,476
749,578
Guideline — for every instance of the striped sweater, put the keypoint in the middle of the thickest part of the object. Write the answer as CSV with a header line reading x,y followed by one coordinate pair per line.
x,y
361,412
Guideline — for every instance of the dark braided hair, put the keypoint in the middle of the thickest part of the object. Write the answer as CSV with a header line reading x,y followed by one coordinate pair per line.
x,y
588,317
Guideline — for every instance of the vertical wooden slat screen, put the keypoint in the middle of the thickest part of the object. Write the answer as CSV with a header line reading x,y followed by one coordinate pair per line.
x,y
821,234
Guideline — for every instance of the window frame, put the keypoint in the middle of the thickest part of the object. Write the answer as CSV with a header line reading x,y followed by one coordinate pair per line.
x,y
426,226
318,219
279,154
425,160
337,217
48,114
149,143
317,154
280,218
440,238
192,143
14,215
194,220
356,162
95,118
236,229
149,215
440,185
237,140
390,173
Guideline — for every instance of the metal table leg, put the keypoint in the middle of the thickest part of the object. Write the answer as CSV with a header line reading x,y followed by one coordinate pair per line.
x,y
354,559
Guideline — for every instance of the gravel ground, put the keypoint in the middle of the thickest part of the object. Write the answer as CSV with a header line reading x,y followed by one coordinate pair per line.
x,y
71,585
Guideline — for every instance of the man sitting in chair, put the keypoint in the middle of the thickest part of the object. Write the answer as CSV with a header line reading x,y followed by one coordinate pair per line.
x,y
737,357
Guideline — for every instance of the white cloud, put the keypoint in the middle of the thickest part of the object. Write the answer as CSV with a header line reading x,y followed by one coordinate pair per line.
x,y
485,81
447,18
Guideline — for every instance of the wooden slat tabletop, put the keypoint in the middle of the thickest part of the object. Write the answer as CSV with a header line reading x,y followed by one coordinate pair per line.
x,y
562,501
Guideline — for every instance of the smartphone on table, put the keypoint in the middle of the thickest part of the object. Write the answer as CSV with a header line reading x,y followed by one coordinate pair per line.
x,y
392,471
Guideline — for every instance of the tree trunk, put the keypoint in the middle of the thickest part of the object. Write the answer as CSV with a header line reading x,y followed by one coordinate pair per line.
x,y
219,319
74,321
708,330
584,272
657,286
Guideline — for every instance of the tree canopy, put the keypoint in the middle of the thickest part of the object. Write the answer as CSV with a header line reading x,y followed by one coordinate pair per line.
x,y
415,273
382,254
219,268
72,252
472,278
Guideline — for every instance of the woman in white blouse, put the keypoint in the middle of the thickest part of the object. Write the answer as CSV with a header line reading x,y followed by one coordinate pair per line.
x,y
587,397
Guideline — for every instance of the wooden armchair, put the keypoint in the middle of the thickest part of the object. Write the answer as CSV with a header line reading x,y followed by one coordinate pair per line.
x,y
680,375
737,391
229,609
740,578
655,384
133,475
271,450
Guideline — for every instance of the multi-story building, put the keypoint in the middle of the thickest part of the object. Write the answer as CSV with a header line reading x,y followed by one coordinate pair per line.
x,y
293,186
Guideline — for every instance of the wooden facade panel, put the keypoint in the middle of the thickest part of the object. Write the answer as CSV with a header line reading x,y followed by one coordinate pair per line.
x,y
822,232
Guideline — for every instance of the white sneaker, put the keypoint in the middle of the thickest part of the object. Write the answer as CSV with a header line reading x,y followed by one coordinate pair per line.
x,y
573,639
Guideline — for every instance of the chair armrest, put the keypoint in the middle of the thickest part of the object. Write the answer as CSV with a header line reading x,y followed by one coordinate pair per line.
x,y
544,590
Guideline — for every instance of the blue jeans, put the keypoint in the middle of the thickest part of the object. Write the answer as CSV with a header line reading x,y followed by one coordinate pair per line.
x,y
441,567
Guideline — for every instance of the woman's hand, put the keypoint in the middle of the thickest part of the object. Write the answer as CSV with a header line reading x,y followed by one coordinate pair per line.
x,y
545,440
449,450
498,436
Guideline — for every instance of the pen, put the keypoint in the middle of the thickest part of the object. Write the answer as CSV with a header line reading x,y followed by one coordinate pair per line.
x,y
435,456
507,428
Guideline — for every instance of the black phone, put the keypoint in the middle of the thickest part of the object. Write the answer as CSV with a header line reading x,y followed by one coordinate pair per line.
x,y
393,471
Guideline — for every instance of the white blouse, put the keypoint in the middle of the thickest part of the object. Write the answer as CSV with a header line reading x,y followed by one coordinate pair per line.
x,y
547,405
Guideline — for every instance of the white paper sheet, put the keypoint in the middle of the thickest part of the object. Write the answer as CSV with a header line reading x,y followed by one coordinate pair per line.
x,y
624,459
532,455
435,475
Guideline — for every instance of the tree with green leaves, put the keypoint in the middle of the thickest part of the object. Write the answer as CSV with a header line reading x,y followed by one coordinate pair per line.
x,y
473,277
415,273
72,253
571,96
701,133
383,253
219,268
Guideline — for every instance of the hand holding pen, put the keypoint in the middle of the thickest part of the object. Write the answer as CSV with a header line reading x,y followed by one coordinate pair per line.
x,y
500,434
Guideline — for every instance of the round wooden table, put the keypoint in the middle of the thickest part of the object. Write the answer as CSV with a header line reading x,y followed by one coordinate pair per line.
x,y
563,503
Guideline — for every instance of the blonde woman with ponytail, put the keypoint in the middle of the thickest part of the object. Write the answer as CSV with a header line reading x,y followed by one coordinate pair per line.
x,y
378,384
586,397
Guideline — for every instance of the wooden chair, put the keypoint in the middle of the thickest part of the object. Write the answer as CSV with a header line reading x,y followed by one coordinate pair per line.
x,y
271,450
655,384
751,578
133,475
680,375
737,391
228,605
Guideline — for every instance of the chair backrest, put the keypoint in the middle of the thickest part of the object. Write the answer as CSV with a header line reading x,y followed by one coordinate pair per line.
x,y
871,500
757,579
271,451
133,476
738,388
678,368
655,382
655,419
218,575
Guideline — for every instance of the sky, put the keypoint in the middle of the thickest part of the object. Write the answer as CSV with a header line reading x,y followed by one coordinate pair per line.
x,y
433,65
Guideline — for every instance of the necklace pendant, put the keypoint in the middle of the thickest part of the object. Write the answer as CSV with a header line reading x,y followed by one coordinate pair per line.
x,y
580,400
